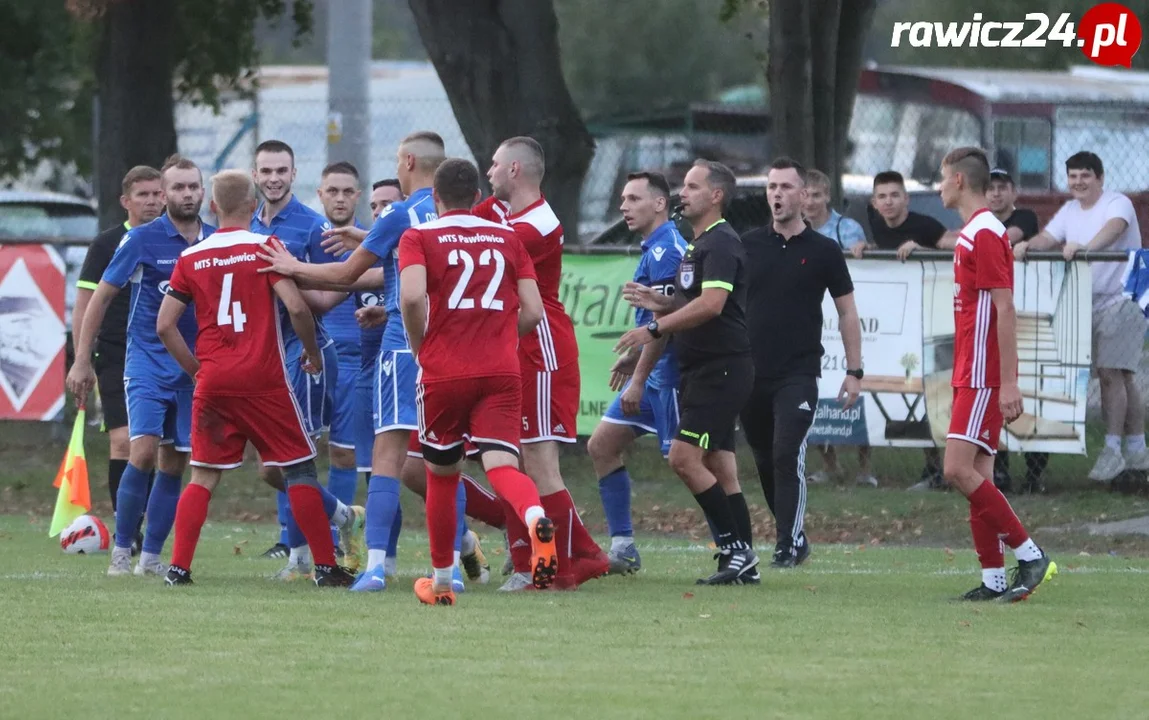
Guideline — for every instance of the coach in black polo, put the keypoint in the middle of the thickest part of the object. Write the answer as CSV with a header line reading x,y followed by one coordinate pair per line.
x,y
790,268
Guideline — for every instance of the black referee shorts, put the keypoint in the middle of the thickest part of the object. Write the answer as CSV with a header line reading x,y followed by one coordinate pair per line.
x,y
109,366
710,396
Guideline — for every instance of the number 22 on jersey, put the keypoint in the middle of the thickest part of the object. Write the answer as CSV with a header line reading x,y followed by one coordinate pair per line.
x,y
230,313
458,299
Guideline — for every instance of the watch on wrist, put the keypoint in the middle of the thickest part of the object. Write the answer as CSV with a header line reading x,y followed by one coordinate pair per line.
x,y
652,328
859,373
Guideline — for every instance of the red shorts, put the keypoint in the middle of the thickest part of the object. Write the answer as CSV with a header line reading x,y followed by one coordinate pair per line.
x,y
481,410
223,425
550,404
415,448
976,417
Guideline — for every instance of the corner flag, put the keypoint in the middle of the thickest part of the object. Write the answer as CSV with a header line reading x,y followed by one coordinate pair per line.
x,y
74,498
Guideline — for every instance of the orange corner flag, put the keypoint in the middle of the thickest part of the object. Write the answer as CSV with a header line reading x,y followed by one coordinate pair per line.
x,y
74,498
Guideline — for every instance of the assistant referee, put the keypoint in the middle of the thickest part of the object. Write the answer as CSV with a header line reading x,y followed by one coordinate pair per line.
x,y
790,268
707,315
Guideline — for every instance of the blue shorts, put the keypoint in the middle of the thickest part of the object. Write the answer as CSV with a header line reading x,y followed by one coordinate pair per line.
x,y
657,414
395,374
364,422
343,413
160,412
314,393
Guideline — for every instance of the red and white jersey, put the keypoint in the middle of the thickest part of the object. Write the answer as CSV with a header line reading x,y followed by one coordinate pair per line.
x,y
983,261
473,272
239,346
552,344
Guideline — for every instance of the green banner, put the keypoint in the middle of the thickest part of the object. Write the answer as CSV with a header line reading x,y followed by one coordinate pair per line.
x,y
591,292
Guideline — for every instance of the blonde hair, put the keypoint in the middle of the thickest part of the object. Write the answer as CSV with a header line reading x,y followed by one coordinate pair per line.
x,y
232,191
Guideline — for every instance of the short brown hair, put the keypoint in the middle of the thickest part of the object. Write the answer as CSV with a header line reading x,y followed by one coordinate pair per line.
x,y
140,173
340,168
231,189
721,177
456,183
817,178
275,146
972,163
889,177
429,149
178,162
537,160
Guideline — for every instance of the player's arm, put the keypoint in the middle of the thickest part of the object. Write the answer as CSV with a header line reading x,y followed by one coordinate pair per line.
x,y
341,274
321,302
1011,403
413,303
167,327
1105,237
530,305
302,321
370,280
95,263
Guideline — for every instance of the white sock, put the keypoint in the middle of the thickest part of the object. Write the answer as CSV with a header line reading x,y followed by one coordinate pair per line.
x,y
1113,442
376,558
300,556
1134,443
341,516
618,543
468,544
457,555
993,578
147,558
534,512
1027,551
443,577
389,566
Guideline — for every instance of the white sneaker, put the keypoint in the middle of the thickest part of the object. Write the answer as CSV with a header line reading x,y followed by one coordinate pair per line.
x,y
155,567
121,564
1109,465
864,479
295,571
818,478
1138,460
517,582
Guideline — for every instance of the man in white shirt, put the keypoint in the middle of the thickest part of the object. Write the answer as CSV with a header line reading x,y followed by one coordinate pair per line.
x,y
1098,219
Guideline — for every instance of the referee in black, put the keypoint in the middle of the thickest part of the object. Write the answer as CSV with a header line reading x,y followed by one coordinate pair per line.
x,y
790,268
707,315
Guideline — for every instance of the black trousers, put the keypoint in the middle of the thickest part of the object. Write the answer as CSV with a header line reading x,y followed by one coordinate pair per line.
x,y
776,420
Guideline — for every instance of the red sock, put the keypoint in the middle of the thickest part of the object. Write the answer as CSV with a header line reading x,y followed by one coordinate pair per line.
x,y
514,487
990,553
191,512
582,544
441,518
307,508
562,513
482,505
518,538
997,513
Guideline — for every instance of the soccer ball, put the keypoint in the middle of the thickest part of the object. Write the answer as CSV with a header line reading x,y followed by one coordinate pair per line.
x,y
86,535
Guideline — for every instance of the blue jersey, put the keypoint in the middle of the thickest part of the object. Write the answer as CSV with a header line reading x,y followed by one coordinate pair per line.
x,y
383,242
341,324
657,268
300,229
146,257
1136,280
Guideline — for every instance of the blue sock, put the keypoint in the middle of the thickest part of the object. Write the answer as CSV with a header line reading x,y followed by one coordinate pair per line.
x,y
396,527
460,516
614,489
283,512
161,512
342,483
382,501
330,502
293,534
130,499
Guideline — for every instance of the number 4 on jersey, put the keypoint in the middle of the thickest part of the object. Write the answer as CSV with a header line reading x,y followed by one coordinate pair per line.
x,y
230,313
488,302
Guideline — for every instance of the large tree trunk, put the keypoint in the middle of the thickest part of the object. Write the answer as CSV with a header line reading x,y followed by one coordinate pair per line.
x,y
790,73
499,62
134,91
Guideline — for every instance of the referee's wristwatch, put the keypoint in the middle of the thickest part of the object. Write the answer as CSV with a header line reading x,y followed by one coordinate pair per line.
x,y
652,328
859,373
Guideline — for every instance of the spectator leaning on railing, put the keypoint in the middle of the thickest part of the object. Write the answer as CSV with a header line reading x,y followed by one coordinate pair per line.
x,y
1099,219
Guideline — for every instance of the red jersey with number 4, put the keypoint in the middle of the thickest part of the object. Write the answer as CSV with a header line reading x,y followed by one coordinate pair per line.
x,y
238,345
983,261
552,344
473,271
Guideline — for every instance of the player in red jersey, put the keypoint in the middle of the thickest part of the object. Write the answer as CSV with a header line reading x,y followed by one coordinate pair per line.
x,y
242,392
548,357
468,292
985,389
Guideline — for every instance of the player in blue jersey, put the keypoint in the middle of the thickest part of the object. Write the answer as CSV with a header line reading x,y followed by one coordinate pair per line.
x,y
648,402
158,391
300,230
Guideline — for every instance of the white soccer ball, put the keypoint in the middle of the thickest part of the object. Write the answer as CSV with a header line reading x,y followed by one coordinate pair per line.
x,y
86,535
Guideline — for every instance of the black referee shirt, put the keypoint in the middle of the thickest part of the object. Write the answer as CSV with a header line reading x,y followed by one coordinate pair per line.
x,y
787,281
716,258
113,333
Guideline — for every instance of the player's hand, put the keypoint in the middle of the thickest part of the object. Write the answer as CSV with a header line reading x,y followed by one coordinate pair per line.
x,y
80,381
371,316
1020,250
851,388
618,380
1011,405
1071,249
278,259
906,249
858,249
311,366
645,297
337,241
636,338
631,399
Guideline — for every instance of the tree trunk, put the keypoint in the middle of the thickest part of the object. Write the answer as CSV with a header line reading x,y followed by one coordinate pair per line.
x,y
499,62
853,26
789,74
134,88
824,19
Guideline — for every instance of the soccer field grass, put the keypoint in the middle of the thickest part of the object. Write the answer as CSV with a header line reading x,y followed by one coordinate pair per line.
x,y
855,633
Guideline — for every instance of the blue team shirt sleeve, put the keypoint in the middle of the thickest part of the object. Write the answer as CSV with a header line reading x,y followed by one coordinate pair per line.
x,y
126,259
664,266
315,252
384,235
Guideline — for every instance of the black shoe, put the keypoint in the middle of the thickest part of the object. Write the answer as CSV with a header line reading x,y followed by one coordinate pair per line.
x,y
333,576
277,551
784,556
750,577
802,551
982,593
137,543
177,576
1027,576
732,565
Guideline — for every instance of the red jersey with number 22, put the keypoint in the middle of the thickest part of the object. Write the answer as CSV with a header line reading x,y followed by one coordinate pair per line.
x,y
983,261
238,342
473,271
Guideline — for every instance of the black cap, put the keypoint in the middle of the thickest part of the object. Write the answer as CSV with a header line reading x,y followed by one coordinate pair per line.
x,y
1001,174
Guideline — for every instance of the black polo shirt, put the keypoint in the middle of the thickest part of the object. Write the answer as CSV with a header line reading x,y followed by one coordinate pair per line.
x,y
922,229
1024,220
114,330
716,258
787,281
